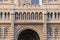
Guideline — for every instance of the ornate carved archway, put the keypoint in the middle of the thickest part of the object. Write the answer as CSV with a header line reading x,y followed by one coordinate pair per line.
x,y
28,35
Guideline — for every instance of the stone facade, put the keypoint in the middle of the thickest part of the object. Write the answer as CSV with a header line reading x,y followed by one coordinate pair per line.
x,y
17,16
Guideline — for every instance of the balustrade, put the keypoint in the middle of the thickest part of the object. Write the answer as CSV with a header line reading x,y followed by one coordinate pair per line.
x,y
53,16
28,16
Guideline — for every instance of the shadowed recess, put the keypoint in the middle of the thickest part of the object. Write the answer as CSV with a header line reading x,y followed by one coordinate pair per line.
x,y
28,35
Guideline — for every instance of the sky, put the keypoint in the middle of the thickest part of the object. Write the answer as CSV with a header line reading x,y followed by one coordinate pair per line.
x,y
40,2
37,2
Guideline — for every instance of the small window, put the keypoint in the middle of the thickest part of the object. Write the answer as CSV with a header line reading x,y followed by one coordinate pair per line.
x,y
5,14
32,16
55,14
40,15
49,32
51,14
1,15
36,16
16,15
28,15
58,15
50,0
20,15
24,16
8,15
48,15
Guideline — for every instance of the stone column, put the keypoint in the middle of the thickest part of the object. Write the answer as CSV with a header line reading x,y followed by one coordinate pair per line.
x,y
3,17
53,16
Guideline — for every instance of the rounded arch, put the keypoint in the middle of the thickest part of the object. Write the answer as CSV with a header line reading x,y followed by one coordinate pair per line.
x,y
20,15
22,28
28,34
1,15
24,15
32,15
28,16
58,15
36,15
40,15
48,14
52,14
16,15
55,15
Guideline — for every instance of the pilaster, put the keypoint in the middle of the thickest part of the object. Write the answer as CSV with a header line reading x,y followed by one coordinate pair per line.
x,y
45,28
12,26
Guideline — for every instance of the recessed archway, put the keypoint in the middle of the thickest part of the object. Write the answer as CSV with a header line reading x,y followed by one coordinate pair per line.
x,y
28,35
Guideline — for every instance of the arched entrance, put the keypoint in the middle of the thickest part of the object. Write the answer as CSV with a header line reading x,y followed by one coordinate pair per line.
x,y
28,35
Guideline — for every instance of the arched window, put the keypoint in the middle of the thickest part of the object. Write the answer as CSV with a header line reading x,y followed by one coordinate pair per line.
x,y
55,14
49,32
48,15
28,15
51,15
5,33
24,15
8,15
58,15
32,16
40,15
0,33
5,14
1,15
20,15
16,15
36,16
